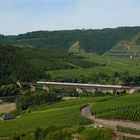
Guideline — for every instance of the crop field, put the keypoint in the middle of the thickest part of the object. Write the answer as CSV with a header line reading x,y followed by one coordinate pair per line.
x,y
120,108
109,65
65,113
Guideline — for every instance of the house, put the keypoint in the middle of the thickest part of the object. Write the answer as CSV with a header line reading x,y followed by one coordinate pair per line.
x,y
7,116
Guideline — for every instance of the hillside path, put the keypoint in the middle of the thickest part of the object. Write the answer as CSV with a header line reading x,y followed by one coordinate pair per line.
x,y
110,123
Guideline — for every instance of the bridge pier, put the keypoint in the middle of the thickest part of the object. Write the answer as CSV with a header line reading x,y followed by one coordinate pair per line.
x,y
130,91
80,87
19,84
33,88
45,87
79,90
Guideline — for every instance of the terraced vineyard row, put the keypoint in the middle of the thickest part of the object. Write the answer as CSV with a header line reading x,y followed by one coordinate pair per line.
x,y
128,130
129,114
125,108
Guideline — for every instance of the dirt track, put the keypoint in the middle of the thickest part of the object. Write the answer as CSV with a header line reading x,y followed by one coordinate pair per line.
x,y
110,123
4,108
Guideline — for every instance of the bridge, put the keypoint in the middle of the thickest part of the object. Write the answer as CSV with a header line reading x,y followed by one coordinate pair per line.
x,y
78,86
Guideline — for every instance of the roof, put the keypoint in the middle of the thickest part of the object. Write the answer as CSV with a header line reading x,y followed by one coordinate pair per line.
x,y
7,116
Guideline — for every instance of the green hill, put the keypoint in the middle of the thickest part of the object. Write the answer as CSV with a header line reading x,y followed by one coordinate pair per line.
x,y
99,41
31,56
31,64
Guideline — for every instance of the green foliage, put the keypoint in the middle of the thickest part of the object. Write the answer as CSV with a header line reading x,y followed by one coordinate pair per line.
x,y
50,133
31,64
98,41
24,102
98,93
96,134
128,138
85,121
110,70
128,130
131,80
13,66
9,90
56,133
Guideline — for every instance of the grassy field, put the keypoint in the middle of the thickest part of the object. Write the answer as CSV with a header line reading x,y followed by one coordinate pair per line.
x,y
65,113
111,64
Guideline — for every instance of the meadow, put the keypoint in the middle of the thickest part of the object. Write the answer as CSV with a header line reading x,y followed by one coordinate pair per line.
x,y
107,64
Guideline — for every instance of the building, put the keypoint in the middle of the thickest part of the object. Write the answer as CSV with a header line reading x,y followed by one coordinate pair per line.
x,y
7,116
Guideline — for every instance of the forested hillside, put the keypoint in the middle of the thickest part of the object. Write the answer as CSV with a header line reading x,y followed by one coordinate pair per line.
x,y
99,41
30,64
31,56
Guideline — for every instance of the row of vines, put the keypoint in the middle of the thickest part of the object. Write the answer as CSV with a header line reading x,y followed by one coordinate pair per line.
x,y
125,108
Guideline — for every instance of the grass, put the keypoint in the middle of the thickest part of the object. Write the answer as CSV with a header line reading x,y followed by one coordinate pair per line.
x,y
96,134
112,64
62,114
59,117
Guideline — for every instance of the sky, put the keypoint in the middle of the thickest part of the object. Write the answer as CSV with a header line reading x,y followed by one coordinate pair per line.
x,y
21,16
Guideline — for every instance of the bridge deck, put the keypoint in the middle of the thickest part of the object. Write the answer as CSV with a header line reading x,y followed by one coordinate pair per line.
x,y
83,85
78,85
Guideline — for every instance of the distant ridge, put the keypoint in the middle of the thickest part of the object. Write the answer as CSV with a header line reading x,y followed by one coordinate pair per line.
x,y
99,41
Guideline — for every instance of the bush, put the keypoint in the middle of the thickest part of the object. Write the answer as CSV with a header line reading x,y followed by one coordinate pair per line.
x,y
85,121
32,100
9,90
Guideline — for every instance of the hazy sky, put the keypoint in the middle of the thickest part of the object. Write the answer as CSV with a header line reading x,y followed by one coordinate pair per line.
x,y
20,16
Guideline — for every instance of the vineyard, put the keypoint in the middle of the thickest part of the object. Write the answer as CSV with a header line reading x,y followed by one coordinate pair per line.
x,y
127,138
125,108
128,130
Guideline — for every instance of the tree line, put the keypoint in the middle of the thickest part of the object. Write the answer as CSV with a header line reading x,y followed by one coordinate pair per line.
x,y
31,64
67,133
30,100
